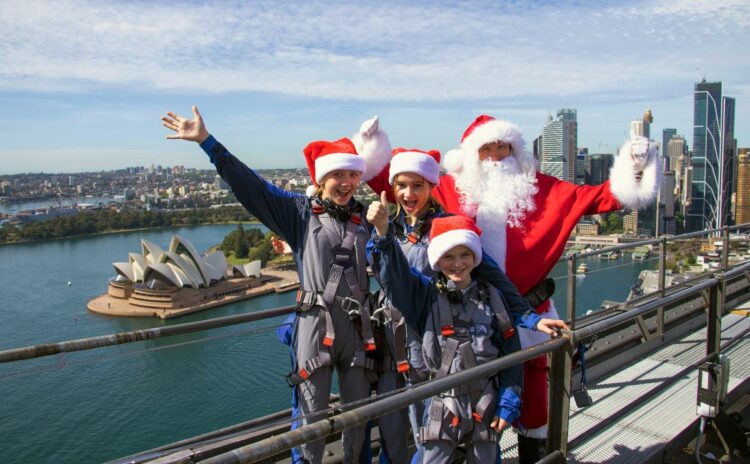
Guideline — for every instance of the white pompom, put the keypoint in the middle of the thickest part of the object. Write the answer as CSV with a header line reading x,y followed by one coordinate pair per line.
x,y
310,190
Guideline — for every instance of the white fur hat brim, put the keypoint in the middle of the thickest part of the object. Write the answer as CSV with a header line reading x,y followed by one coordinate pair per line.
x,y
335,161
417,163
448,240
496,130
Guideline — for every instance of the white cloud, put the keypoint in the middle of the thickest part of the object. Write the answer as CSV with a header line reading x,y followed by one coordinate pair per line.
x,y
389,51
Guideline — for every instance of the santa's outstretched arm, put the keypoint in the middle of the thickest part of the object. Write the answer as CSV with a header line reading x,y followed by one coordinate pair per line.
x,y
373,145
636,175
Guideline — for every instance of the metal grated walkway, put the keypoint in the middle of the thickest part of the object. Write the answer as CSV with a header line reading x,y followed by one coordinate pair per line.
x,y
633,418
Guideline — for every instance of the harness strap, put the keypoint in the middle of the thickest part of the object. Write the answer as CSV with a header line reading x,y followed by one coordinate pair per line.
x,y
399,336
446,316
450,345
504,323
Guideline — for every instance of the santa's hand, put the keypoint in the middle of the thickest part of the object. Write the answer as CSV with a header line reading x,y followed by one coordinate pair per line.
x,y
369,127
498,424
377,214
548,326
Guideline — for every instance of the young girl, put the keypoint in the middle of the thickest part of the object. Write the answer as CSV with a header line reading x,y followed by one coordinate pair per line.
x,y
464,322
413,174
327,236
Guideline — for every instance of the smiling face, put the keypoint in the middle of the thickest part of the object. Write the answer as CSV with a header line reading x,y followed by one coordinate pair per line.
x,y
457,264
339,186
495,151
412,192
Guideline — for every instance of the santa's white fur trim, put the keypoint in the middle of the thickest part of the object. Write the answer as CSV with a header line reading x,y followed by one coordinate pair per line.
x,y
417,163
539,432
311,190
448,240
453,160
335,161
497,130
375,149
494,239
530,338
631,193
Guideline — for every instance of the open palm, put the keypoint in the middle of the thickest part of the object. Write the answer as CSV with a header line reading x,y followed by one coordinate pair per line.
x,y
186,129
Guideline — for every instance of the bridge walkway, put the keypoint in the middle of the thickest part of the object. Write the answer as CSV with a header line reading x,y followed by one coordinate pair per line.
x,y
638,411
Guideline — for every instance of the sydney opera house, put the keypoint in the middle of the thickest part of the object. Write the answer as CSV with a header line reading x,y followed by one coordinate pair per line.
x,y
179,280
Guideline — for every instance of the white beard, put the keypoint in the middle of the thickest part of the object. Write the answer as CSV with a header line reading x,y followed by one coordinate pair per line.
x,y
498,194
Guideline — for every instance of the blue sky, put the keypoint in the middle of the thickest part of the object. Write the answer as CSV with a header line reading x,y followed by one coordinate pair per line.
x,y
83,84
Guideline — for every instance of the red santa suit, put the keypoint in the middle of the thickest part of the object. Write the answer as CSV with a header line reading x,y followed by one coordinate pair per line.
x,y
529,243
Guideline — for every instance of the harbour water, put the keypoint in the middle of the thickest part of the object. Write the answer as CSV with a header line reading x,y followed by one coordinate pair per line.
x,y
100,405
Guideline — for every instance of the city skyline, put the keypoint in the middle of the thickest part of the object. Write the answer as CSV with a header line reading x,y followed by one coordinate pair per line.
x,y
84,84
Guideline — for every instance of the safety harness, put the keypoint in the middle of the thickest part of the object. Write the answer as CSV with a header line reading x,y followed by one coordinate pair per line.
x,y
356,305
457,342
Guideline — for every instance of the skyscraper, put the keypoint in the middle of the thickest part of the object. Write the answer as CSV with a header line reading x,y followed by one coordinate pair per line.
x,y
559,141
676,151
666,136
713,158
742,196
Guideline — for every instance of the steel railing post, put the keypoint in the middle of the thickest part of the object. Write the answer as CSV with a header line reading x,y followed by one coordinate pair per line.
x,y
713,323
725,249
571,303
662,285
560,380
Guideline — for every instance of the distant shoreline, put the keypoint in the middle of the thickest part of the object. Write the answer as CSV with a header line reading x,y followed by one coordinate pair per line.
x,y
119,231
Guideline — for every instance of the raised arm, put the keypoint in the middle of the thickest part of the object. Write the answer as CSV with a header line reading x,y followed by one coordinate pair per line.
x,y
283,212
409,290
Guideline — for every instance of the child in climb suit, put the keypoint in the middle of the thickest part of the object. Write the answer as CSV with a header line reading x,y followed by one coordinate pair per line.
x,y
464,322
328,237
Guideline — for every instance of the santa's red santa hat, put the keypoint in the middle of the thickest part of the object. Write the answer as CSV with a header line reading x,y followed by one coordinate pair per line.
x,y
485,129
423,163
323,157
449,232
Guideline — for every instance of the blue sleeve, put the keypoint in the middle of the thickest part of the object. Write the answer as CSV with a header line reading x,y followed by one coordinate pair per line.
x,y
407,289
523,314
285,213
510,380
508,404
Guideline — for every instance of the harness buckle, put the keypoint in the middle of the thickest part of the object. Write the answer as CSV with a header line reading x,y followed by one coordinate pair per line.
x,y
381,316
351,306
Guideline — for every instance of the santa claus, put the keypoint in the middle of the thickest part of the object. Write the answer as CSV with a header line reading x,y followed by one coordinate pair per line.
x,y
527,217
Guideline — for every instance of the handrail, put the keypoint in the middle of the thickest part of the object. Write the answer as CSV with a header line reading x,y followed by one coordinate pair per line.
x,y
317,430
49,349
272,446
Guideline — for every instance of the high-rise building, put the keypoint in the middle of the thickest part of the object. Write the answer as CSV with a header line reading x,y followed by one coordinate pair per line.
x,y
676,151
648,217
667,222
559,142
666,136
583,156
742,195
597,166
713,158
642,126
537,149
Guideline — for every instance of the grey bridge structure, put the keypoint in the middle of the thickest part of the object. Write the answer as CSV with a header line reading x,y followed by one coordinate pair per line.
x,y
642,369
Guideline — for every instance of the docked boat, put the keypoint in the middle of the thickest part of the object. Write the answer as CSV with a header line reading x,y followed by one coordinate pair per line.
x,y
610,255
582,268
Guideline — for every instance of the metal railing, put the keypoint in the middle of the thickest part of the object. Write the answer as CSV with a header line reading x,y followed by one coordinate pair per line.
x,y
712,290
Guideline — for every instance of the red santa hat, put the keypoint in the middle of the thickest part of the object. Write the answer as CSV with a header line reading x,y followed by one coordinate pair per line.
x,y
485,129
449,232
323,157
423,163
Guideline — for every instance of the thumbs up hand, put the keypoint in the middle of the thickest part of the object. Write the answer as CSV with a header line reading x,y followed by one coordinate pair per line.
x,y
377,214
